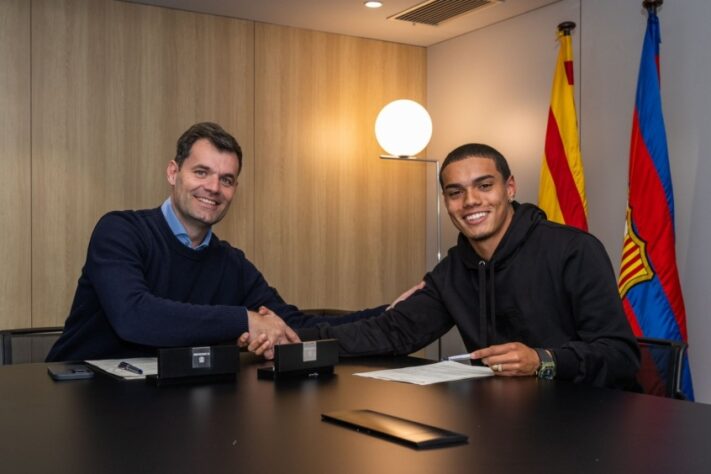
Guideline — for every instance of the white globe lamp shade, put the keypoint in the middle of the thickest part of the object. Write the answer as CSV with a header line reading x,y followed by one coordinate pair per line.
x,y
403,128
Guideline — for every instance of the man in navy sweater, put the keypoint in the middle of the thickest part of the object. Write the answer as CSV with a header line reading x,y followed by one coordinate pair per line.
x,y
160,277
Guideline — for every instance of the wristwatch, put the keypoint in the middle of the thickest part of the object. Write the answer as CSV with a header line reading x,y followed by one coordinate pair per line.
x,y
546,370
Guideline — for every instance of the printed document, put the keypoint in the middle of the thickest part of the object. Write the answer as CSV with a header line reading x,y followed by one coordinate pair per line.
x,y
446,371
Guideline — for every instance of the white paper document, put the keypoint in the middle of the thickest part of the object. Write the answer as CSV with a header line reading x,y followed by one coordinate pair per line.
x,y
148,365
446,371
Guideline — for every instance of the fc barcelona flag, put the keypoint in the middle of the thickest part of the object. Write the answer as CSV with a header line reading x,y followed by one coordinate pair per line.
x,y
649,280
561,193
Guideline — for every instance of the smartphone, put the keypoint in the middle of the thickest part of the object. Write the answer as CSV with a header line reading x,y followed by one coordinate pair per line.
x,y
70,372
393,428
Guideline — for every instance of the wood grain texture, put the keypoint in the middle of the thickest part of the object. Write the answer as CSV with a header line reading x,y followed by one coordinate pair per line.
x,y
15,193
335,225
114,85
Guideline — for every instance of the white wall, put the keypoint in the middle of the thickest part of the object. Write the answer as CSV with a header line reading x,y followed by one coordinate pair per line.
x,y
493,86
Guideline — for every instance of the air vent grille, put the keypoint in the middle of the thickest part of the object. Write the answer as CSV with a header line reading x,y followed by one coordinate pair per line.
x,y
434,12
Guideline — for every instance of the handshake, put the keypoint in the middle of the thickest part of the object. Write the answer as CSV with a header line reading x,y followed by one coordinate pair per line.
x,y
266,329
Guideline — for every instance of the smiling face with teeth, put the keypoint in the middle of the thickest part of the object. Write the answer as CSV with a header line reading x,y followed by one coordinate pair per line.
x,y
203,187
478,201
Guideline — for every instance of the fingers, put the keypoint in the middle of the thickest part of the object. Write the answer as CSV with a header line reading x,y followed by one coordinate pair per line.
x,y
266,329
243,340
510,359
256,342
264,311
264,349
291,336
494,350
407,294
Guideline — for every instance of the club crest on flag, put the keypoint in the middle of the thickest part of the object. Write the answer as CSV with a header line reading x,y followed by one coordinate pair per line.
x,y
635,267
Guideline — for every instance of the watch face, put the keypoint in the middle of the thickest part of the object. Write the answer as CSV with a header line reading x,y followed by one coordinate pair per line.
x,y
546,373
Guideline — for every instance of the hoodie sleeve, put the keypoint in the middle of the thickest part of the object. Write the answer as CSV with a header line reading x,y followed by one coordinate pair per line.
x,y
605,353
408,327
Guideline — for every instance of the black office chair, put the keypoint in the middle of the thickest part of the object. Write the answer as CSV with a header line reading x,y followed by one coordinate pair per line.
x,y
21,346
661,366
325,312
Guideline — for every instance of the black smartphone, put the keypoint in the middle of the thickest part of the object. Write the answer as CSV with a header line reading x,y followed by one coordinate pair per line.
x,y
393,428
70,372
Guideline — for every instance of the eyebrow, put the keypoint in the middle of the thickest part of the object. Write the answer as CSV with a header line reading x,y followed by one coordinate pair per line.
x,y
474,182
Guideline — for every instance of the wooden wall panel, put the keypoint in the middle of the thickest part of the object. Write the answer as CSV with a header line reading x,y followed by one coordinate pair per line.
x,y
336,226
15,193
114,84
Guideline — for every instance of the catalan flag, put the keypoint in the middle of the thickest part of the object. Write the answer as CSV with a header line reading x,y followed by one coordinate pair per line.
x,y
561,193
649,280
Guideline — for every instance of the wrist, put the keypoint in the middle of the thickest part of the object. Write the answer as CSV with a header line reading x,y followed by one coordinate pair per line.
x,y
547,367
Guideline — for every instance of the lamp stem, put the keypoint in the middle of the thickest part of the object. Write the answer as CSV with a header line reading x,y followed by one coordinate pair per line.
x,y
439,222
411,159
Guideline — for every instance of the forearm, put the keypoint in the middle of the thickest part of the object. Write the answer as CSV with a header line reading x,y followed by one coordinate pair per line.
x,y
158,322
410,327
297,319
606,362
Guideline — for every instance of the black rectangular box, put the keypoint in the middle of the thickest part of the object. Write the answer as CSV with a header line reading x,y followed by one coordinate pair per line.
x,y
302,359
203,364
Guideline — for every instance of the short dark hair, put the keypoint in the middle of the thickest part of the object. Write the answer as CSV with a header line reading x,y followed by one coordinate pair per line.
x,y
217,135
476,150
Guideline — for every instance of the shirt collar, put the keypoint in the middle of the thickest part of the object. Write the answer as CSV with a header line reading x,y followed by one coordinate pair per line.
x,y
178,228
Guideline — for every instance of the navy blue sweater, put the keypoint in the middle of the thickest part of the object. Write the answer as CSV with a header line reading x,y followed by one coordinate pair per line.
x,y
141,289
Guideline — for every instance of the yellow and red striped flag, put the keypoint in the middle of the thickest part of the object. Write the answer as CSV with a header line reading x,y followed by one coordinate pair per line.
x,y
562,189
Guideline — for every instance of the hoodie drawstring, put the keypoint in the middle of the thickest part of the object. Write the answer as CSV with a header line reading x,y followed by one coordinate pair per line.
x,y
487,331
482,304
492,305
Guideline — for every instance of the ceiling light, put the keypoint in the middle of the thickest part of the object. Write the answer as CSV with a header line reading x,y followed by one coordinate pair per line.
x,y
373,4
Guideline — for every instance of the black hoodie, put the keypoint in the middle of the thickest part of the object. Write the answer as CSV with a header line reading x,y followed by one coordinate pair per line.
x,y
547,286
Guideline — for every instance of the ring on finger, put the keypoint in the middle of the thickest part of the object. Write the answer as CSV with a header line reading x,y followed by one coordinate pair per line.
x,y
497,367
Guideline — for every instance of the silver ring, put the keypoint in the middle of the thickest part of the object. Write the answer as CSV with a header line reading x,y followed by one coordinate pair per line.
x,y
497,367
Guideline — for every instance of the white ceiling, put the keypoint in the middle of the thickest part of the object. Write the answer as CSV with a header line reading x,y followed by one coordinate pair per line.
x,y
350,17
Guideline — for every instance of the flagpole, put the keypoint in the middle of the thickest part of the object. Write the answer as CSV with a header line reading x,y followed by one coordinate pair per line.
x,y
566,27
652,5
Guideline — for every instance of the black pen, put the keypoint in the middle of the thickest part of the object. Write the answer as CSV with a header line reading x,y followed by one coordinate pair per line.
x,y
130,367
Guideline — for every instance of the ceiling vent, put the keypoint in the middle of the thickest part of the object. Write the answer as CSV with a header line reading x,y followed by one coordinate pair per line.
x,y
434,12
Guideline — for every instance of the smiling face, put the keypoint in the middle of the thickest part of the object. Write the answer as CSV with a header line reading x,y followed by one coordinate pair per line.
x,y
203,187
478,201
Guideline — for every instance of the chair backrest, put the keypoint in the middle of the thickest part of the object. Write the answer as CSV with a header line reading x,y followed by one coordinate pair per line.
x,y
18,346
660,366
326,312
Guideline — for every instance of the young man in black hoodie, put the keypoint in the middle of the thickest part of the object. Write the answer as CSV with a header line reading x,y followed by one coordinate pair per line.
x,y
529,296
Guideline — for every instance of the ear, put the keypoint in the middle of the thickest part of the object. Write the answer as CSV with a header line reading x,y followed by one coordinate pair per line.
x,y
172,172
511,188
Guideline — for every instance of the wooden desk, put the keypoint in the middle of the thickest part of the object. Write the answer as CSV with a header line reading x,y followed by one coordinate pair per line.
x,y
255,426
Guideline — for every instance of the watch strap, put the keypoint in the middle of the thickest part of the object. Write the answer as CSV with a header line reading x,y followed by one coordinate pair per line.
x,y
546,369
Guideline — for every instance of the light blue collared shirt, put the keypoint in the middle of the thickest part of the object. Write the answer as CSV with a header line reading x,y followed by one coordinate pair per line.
x,y
179,229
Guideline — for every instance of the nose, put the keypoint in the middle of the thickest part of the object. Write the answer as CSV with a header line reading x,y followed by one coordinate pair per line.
x,y
471,197
212,183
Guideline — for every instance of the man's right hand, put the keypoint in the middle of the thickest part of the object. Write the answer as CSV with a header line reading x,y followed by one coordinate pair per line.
x,y
266,329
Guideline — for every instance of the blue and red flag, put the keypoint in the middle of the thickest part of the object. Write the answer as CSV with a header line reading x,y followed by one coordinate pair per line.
x,y
649,281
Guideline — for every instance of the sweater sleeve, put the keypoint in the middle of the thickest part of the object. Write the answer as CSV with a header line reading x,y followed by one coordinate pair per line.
x,y
409,326
605,352
115,267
